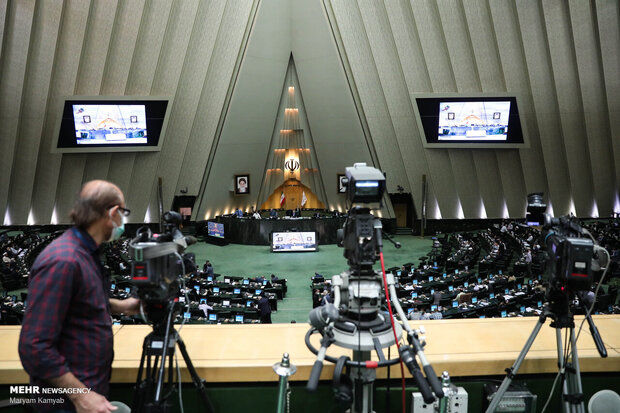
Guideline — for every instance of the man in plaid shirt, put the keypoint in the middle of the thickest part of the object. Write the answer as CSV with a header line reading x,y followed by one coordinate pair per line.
x,y
66,337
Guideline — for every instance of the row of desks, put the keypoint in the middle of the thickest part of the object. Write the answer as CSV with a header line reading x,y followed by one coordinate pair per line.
x,y
245,353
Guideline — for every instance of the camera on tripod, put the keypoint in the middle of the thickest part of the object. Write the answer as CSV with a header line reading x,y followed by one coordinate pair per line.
x,y
358,319
157,269
157,260
569,254
365,187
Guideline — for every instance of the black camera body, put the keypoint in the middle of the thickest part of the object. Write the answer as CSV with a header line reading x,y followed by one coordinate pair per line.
x,y
365,187
570,261
157,261
358,238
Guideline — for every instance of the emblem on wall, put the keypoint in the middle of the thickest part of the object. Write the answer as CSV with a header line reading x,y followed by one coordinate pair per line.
x,y
292,164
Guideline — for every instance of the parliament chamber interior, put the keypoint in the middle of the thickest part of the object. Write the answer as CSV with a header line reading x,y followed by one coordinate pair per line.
x,y
310,206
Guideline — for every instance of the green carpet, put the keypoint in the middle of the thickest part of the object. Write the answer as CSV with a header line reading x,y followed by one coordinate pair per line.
x,y
297,268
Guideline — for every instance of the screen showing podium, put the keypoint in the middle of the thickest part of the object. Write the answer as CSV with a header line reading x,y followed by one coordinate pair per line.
x,y
293,241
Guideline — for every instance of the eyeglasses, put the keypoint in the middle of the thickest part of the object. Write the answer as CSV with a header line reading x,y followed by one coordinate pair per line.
x,y
124,211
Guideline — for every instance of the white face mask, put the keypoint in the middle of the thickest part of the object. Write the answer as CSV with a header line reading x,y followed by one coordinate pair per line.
x,y
117,230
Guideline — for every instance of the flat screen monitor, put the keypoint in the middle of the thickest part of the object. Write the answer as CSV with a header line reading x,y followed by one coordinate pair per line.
x,y
212,317
237,291
226,303
239,319
215,229
216,289
293,241
112,124
246,282
489,121
248,303
257,292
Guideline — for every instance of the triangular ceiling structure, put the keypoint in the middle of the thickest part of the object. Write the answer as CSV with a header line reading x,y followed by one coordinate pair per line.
x,y
291,155
334,124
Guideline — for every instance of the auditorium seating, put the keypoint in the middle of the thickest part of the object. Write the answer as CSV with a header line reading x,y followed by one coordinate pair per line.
x,y
488,273
232,299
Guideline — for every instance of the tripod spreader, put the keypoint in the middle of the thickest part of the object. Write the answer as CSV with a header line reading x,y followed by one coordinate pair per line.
x,y
600,346
315,374
414,369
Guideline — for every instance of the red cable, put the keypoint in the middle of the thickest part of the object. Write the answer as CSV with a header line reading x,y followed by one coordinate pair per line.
x,y
387,298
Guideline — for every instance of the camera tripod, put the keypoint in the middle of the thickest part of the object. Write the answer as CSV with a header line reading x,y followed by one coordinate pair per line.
x,y
572,394
158,350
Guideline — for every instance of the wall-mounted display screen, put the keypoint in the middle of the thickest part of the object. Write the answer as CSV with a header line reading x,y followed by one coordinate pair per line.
x,y
110,124
293,241
460,121
215,229
105,124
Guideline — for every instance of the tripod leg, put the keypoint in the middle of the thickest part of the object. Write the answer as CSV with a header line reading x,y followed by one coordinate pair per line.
x,y
566,406
139,392
574,375
198,382
512,371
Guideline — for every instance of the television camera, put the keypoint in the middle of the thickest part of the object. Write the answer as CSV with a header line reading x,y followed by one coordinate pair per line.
x,y
357,320
571,255
157,269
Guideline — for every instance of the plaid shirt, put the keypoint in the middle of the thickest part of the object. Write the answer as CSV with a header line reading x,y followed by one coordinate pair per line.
x,y
67,325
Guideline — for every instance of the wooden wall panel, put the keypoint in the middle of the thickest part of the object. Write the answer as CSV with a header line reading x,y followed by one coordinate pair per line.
x,y
594,113
64,74
46,27
371,93
13,64
566,82
608,29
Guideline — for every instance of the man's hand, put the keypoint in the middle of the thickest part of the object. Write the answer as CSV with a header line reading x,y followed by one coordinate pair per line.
x,y
130,306
92,403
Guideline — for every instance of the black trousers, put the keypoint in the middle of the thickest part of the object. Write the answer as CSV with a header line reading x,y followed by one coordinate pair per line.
x,y
265,318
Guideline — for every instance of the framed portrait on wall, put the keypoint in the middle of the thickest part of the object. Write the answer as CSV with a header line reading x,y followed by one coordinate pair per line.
x,y
342,185
242,184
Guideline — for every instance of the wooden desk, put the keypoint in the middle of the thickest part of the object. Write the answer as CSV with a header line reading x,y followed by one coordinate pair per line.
x,y
237,353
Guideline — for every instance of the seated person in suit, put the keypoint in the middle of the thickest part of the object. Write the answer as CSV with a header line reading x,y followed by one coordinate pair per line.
x,y
208,268
239,213
274,278
273,213
264,309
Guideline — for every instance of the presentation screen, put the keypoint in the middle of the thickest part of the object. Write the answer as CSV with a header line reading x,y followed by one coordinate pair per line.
x,y
470,121
103,125
293,241
110,124
215,229
485,121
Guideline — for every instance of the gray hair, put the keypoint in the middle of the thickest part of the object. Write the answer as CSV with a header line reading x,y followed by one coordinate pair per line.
x,y
93,201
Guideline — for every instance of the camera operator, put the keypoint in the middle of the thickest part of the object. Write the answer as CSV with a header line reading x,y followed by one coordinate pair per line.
x,y
66,338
